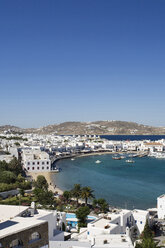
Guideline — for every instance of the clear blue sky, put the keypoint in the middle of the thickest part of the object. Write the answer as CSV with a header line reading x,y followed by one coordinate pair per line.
x,y
82,60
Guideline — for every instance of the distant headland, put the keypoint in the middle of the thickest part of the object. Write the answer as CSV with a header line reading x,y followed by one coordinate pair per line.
x,y
91,128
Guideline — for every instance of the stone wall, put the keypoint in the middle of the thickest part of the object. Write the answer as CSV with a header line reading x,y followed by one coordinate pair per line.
x,y
24,236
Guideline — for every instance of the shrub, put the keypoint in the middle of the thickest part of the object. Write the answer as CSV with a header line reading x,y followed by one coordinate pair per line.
x,y
7,187
7,177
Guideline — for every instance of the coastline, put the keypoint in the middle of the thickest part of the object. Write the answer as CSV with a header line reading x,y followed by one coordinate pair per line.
x,y
97,153
52,185
48,177
102,153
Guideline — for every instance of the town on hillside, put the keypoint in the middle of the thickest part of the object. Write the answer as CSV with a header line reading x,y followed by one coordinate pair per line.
x,y
33,211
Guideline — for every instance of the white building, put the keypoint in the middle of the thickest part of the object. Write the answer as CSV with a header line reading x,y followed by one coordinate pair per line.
x,y
25,218
152,146
35,160
6,158
161,207
114,229
140,217
111,230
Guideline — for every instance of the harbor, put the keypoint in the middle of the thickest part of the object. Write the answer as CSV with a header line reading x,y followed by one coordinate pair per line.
x,y
123,184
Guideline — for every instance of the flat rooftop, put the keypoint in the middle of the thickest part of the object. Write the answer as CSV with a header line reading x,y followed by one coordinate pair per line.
x,y
11,223
8,212
103,224
18,224
114,241
139,211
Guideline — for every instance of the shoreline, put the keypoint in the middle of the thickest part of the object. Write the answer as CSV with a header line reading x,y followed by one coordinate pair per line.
x,y
83,155
52,185
99,153
47,175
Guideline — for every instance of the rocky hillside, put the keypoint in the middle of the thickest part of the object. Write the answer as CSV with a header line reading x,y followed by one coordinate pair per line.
x,y
98,127
101,127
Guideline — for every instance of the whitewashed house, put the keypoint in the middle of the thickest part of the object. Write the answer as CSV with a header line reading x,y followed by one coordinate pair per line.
x,y
152,146
140,217
161,207
35,160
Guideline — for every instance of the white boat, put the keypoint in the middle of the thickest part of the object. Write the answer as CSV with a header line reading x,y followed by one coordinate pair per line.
x,y
57,169
116,157
97,161
130,161
72,159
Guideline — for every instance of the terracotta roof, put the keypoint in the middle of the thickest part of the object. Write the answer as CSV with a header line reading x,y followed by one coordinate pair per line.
x,y
153,144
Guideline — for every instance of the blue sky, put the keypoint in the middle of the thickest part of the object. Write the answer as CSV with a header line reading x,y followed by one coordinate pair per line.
x,y
82,60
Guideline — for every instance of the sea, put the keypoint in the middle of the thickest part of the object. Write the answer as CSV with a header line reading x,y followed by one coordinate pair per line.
x,y
133,137
123,185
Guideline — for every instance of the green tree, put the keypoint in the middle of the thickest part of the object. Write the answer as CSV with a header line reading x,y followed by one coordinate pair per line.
x,y
15,166
67,195
86,193
41,192
41,183
20,178
3,166
76,192
147,240
81,215
7,177
44,197
147,233
147,243
101,204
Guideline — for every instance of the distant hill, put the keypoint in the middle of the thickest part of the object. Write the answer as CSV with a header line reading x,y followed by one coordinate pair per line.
x,y
97,127
10,128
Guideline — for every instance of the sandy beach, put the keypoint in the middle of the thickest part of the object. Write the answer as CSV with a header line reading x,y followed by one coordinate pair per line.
x,y
48,177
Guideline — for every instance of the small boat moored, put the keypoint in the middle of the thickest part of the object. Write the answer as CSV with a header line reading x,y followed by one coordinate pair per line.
x,y
55,169
116,158
97,161
130,161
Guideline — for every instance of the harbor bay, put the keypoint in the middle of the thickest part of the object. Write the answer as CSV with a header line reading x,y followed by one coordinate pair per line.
x,y
122,184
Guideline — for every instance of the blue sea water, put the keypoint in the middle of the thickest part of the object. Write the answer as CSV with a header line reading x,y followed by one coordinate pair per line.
x,y
133,137
122,184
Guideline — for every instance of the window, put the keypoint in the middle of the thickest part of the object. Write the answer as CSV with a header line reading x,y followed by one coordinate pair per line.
x,y
16,244
47,168
28,163
33,163
34,236
38,162
47,162
38,168
32,168
42,168
28,168
141,222
43,163
135,221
